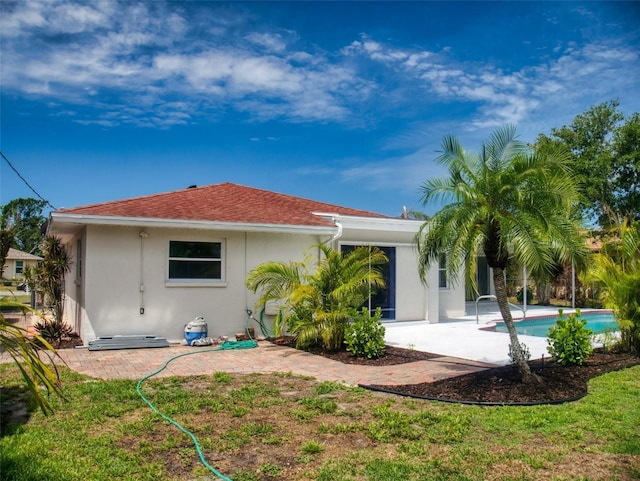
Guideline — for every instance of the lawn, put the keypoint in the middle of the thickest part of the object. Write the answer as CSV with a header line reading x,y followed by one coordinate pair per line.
x,y
284,427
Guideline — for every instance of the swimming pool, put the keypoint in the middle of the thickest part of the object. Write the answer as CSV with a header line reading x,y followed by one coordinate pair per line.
x,y
539,327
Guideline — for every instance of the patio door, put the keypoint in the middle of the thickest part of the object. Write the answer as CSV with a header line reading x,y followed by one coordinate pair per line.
x,y
384,298
483,280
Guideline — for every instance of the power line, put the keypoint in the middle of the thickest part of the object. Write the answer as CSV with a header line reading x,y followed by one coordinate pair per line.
x,y
25,180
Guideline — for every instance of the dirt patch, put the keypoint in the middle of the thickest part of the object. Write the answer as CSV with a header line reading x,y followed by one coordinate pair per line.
x,y
498,385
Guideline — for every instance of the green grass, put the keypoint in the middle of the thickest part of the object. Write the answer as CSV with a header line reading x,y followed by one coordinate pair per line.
x,y
259,427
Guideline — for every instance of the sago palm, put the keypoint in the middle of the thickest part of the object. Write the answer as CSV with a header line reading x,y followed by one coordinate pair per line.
x,y
507,204
317,301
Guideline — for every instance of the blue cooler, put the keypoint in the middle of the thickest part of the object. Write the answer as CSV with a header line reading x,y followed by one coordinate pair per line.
x,y
196,329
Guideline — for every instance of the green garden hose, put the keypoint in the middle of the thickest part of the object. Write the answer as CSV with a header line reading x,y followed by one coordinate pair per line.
x,y
225,346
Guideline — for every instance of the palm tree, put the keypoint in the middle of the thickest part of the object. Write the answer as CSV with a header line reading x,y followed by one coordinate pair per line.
x,y
27,351
506,203
316,302
52,272
617,268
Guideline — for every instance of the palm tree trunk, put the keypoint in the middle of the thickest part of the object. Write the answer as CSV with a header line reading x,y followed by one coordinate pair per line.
x,y
519,357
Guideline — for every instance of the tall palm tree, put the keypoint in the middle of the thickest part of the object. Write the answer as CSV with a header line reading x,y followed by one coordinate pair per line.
x,y
506,203
318,301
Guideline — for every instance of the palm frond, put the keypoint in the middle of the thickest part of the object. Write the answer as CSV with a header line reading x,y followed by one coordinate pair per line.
x,y
27,349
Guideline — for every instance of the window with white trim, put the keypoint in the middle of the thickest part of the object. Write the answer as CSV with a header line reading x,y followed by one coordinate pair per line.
x,y
442,271
19,267
190,260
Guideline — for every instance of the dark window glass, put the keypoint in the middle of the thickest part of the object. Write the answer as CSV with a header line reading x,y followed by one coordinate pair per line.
x,y
442,271
195,250
195,260
194,270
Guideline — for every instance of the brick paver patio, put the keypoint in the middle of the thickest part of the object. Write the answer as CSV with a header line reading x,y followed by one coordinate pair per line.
x,y
266,358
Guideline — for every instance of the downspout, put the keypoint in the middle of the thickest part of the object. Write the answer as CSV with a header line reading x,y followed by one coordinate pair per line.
x,y
143,235
337,235
334,237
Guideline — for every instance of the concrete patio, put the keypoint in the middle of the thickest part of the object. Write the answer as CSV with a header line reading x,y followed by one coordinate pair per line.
x,y
462,337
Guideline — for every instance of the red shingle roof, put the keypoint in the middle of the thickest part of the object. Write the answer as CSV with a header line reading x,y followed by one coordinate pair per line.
x,y
224,202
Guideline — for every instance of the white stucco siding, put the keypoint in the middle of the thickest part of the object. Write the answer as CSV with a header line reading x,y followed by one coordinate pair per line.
x,y
74,311
124,286
275,248
450,303
414,300
411,295
118,262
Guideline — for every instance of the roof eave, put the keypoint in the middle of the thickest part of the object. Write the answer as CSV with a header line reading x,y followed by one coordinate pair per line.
x,y
375,223
68,219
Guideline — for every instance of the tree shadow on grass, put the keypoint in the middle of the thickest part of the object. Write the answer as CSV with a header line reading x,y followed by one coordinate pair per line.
x,y
16,407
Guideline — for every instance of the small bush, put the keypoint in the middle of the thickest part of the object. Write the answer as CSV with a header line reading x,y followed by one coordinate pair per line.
x,y
520,295
569,340
364,335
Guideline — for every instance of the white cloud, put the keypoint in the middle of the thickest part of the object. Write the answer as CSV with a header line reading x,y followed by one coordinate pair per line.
x,y
142,51
272,42
146,53
508,97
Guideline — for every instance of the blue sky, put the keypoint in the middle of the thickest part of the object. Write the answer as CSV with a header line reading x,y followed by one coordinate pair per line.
x,y
342,102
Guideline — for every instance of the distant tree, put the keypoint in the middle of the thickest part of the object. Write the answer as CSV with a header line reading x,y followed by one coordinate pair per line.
x,y
510,205
626,169
606,160
6,241
23,217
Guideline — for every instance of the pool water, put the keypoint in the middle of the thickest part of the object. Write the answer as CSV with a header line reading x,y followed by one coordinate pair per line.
x,y
596,321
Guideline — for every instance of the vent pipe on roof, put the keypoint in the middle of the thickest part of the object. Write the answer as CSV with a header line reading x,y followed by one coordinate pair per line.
x,y
193,186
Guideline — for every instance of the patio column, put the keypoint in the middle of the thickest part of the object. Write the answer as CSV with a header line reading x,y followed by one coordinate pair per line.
x,y
432,312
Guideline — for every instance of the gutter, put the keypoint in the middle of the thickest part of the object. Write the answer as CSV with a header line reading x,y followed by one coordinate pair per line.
x,y
60,220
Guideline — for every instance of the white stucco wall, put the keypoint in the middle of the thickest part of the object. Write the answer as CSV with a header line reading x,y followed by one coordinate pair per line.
x,y
122,273
74,311
118,262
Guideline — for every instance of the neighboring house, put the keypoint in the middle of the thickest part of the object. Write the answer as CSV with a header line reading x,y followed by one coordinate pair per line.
x,y
16,263
148,265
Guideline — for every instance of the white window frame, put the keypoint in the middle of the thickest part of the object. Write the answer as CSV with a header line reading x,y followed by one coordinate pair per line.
x,y
79,259
196,282
19,267
442,272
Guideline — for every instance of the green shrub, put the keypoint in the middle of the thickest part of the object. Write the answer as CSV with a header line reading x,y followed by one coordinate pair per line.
x,y
520,295
569,340
364,335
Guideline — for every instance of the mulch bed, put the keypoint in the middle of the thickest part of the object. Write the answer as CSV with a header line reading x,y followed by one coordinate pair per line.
x,y
502,385
497,385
